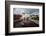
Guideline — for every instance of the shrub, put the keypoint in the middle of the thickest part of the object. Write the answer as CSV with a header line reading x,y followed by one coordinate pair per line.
x,y
36,17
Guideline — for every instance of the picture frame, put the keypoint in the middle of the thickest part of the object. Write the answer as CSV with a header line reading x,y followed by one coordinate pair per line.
x,y
11,6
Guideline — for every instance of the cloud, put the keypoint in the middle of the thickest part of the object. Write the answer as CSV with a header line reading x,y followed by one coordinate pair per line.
x,y
25,10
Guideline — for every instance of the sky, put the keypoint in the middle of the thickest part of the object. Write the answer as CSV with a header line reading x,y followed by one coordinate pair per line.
x,y
25,10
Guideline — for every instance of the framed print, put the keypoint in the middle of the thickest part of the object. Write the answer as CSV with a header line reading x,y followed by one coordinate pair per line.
x,y
24,17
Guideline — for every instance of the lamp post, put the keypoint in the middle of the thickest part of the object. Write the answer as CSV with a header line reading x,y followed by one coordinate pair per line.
x,y
23,16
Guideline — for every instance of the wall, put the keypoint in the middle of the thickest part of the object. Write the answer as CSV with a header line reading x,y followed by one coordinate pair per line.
x,y
2,17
